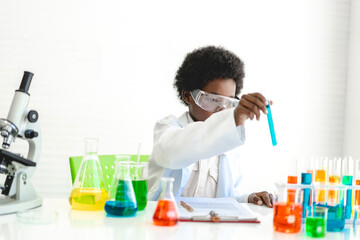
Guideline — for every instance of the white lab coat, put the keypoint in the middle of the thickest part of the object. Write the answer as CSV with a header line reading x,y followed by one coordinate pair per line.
x,y
178,145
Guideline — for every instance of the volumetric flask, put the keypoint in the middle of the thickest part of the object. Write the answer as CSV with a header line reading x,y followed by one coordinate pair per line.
x,y
288,211
89,192
122,201
166,213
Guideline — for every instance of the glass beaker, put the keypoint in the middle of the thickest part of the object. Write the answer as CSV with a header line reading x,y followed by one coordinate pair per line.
x,y
139,176
287,210
89,191
122,201
316,222
166,213
336,207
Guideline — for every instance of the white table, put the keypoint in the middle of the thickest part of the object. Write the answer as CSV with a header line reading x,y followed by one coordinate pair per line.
x,y
78,225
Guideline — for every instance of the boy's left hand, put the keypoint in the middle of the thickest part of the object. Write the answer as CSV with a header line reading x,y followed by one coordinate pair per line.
x,y
260,198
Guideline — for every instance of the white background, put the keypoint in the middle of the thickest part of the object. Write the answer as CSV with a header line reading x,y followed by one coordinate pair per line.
x,y
105,69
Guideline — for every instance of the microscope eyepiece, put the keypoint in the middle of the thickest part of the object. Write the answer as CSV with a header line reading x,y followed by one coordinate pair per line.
x,y
26,81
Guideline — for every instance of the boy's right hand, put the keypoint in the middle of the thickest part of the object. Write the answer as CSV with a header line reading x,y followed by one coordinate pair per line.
x,y
250,106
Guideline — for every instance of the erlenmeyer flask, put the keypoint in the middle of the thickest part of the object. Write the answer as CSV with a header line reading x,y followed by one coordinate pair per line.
x,y
166,213
122,201
89,189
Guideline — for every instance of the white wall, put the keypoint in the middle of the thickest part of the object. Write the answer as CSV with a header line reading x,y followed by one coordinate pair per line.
x,y
352,118
106,69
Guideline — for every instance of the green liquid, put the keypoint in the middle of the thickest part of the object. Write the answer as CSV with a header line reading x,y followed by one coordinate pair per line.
x,y
315,227
140,189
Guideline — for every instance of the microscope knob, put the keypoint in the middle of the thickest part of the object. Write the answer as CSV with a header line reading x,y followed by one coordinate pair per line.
x,y
33,116
31,134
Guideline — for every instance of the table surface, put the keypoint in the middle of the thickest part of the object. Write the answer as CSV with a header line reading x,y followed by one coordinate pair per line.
x,y
74,224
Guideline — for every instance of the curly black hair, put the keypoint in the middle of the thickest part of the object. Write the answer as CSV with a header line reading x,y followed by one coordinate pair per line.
x,y
206,64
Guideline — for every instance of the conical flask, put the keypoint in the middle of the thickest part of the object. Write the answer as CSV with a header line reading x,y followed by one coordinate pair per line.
x,y
89,189
166,213
122,201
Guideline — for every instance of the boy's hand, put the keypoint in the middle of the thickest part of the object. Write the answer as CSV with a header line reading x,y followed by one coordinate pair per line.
x,y
260,198
250,106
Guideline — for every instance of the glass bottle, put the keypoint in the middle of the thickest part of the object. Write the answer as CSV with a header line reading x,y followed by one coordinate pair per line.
x,y
89,191
122,201
166,213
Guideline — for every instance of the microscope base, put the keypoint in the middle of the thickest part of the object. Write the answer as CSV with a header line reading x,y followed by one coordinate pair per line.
x,y
9,205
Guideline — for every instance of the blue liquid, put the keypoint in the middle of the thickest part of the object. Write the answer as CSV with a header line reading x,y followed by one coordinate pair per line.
x,y
306,179
271,125
118,208
336,218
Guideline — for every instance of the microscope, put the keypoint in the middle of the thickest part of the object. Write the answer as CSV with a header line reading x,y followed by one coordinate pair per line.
x,y
18,193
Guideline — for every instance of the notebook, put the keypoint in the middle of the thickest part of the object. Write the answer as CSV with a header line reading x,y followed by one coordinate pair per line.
x,y
215,210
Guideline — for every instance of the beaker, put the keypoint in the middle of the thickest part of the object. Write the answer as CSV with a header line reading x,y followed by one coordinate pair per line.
x,y
336,207
316,222
122,201
139,176
287,211
166,213
89,191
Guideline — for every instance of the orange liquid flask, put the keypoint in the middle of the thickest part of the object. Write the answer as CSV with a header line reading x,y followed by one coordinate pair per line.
x,y
320,177
287,217
166,213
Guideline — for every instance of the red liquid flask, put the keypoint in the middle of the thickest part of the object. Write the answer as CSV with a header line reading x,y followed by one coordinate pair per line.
x,y
166,213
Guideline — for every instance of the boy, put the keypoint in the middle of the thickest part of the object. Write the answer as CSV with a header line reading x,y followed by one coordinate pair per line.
x,y
200,149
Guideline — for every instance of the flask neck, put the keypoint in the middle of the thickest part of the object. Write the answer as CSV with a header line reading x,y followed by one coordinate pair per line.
x,y
167,188
91,146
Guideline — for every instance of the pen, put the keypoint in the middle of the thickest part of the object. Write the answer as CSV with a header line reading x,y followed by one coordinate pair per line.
x,y
186,206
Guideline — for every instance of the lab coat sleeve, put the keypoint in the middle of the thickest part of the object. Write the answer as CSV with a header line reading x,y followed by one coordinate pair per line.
x,y
176,147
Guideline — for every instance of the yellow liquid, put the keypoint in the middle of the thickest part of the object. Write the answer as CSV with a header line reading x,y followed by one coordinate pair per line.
x,y
90,199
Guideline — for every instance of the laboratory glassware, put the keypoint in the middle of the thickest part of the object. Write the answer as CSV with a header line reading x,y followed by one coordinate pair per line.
x,y
122,201
166,213
315,225
89,191
347,179
139,178
287,214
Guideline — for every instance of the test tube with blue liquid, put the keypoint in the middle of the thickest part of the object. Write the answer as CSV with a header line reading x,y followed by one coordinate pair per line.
x,y
271,125
306,179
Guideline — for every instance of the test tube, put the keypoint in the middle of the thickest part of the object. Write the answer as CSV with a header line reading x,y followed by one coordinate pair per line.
x,y
347,179
357,181
271,125
334,172
320,179
292,177
305,172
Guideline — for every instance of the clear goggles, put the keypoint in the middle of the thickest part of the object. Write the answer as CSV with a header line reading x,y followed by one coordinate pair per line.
x,y
212,102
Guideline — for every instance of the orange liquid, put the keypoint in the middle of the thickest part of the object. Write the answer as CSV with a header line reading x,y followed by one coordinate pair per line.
x,y
357,194
166,213
287,217
333,194
320,176
291,193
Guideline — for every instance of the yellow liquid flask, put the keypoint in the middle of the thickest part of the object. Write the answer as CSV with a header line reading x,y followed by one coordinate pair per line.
x,y
89,191
122,201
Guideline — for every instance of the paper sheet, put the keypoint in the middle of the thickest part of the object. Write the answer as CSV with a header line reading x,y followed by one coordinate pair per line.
x,y
228,209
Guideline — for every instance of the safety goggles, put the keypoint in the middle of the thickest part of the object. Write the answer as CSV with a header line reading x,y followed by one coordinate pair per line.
x,y
212,102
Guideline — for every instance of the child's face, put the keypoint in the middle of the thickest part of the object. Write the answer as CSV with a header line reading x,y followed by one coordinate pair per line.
x,y
224,87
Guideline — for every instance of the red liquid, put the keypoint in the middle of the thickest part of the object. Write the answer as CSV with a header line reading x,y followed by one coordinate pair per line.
x,y
166,213
287,217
